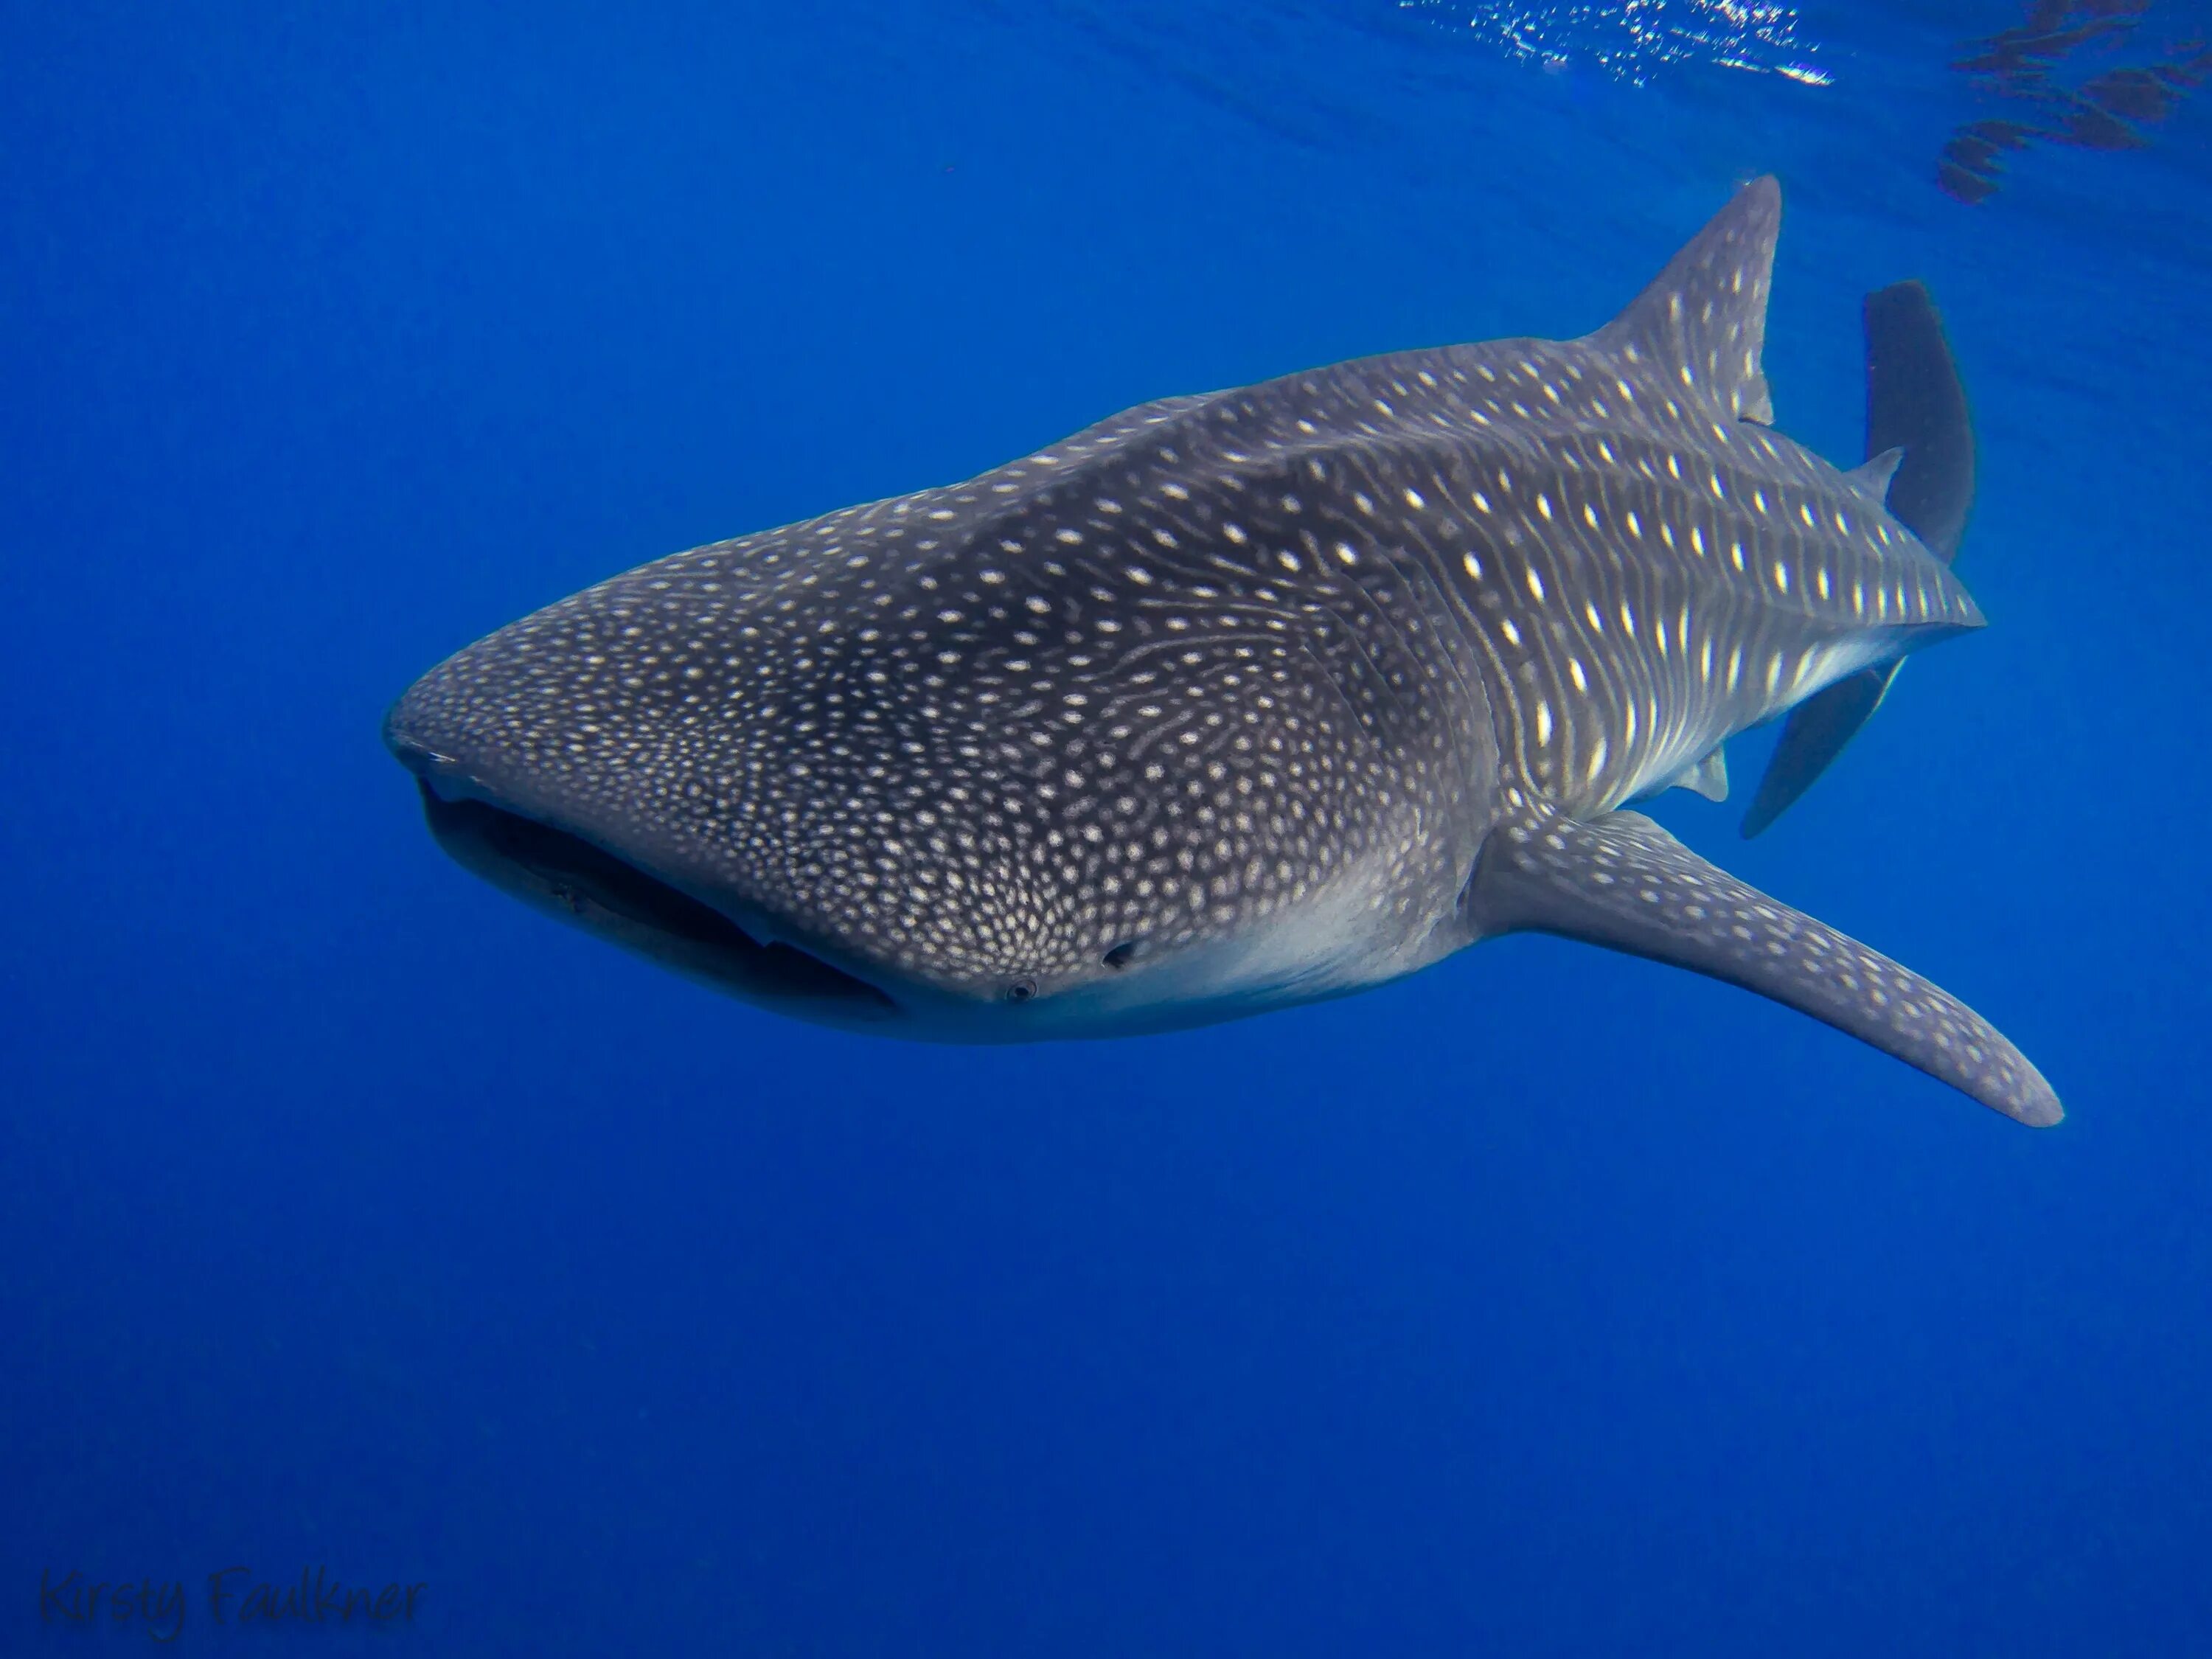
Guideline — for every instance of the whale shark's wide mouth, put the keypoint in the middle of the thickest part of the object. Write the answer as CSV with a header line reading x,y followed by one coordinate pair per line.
x,y
561,871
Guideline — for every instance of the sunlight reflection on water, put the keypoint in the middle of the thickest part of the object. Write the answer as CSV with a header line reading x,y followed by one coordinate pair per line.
x,y
1632,38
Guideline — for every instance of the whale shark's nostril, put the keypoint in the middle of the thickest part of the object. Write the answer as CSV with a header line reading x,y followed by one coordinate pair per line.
x,y
414,749
417,757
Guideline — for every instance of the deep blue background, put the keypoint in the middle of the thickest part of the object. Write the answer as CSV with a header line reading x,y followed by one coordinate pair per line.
x,y
1550,1303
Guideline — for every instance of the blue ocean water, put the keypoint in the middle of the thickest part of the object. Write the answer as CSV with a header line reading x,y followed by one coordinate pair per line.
x,y
1548,1303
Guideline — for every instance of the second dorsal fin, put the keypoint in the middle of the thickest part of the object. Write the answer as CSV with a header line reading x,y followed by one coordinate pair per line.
x,y
1871,478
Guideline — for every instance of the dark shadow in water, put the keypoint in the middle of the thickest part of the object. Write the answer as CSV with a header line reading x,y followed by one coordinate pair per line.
x,y
2039,66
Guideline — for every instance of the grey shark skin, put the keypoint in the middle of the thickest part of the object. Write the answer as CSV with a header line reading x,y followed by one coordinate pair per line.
x,y
1227,702
1915,410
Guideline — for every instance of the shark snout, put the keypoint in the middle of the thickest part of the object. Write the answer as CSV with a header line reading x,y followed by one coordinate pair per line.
x,y
426,734
566,836
418,755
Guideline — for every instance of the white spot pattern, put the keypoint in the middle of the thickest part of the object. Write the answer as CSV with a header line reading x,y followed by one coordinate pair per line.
x,y
975,744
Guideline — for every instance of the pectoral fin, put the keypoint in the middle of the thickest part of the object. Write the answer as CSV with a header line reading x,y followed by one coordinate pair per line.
x,y
1622,882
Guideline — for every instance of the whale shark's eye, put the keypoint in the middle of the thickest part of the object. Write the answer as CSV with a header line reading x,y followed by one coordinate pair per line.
x,y
1021,990
1122,954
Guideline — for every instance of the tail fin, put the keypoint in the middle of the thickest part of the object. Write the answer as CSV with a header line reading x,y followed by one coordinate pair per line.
x,y
1915,403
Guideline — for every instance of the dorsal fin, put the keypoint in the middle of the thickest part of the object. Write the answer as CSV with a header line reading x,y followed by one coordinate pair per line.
x,y
1871,478
1704,319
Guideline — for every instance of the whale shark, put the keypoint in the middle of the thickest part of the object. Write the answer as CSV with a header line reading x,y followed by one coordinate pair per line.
x,y
1915,412
1231,702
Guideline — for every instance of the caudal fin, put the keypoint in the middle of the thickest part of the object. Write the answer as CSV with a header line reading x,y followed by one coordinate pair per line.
x,y
1916,404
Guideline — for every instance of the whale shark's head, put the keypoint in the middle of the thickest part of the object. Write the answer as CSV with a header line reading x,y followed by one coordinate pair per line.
x,y
954,766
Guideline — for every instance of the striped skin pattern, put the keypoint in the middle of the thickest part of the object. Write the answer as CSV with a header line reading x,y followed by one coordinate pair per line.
x,y
1228,702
